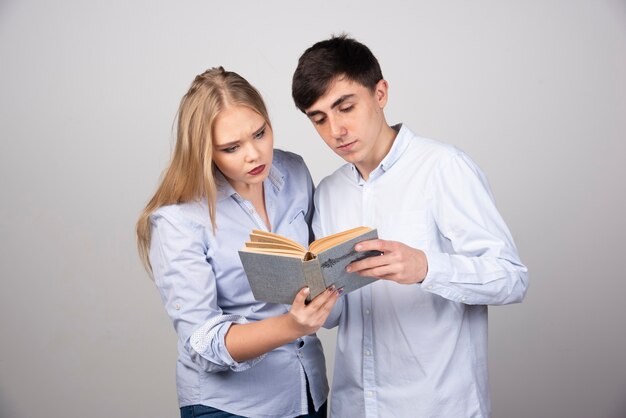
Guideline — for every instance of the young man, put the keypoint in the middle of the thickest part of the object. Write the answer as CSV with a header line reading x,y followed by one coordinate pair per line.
x,y
415,343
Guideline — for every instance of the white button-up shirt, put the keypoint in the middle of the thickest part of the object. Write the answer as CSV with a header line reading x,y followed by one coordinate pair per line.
x,y
420,350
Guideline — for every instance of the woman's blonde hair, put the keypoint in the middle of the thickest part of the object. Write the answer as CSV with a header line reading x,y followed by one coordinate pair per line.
x,y
190,175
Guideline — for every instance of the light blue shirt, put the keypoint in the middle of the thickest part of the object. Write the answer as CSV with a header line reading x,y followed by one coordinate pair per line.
x,y
205,290
420,350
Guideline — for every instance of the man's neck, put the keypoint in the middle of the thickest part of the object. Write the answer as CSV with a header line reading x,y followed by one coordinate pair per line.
x,y
378,152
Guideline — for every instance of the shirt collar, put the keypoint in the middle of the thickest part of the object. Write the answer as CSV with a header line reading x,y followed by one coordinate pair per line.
x,y
400,143
276,179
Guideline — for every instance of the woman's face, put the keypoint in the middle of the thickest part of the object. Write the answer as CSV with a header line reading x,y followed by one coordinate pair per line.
x,y
242,146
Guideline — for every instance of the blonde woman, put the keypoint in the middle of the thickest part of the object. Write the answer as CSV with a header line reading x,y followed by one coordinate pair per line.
x,y
236,356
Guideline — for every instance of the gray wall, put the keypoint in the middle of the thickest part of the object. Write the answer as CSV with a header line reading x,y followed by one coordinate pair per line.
x,y
535,91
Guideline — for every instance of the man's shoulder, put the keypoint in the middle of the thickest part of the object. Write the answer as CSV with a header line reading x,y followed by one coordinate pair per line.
x,y
340,175
432,147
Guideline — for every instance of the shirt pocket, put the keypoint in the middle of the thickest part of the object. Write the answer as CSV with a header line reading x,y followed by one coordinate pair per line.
x,y
295,227
298,216
413,228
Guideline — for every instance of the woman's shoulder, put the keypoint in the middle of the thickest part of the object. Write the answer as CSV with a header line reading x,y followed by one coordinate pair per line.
x,y
190,214
290,166
287,159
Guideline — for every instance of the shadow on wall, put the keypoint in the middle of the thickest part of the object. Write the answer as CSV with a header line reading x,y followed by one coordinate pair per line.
x,y
5,407
5,7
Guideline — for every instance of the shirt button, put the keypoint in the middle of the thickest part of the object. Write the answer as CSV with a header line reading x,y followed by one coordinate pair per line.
x,y
368,352
463,299
369,394
177,306
430,286
367,312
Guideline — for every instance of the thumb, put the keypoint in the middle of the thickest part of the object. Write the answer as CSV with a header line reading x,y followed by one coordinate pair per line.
x,y
301,296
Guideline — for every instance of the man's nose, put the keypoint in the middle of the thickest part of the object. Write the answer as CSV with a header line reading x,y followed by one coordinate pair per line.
x,y
337,129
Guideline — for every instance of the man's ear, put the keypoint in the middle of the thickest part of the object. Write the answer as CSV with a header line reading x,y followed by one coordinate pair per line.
x,y
381,93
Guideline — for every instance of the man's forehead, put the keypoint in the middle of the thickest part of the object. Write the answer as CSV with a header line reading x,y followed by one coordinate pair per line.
x,y
339,87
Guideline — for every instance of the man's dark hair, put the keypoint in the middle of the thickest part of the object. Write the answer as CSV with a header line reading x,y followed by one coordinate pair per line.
x,y
321,63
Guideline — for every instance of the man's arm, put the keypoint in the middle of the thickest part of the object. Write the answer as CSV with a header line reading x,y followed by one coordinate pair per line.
x,y
483,266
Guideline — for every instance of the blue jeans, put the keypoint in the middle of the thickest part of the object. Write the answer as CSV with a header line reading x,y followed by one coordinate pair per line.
x,y
197,411
202,411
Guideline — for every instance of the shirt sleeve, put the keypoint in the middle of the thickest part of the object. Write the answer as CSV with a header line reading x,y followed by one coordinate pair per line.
x,y
179,254
482,266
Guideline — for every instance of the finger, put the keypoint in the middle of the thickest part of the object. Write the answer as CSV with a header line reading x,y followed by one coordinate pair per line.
x,y
301,296
368,263
373,245
329,302
320,299
382,272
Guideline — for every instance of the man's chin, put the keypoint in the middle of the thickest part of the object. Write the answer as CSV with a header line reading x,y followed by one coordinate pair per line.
x,y
348,156
344,156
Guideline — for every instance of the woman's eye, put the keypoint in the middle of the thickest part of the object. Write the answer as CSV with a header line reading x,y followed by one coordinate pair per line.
x,y
230,150
260,134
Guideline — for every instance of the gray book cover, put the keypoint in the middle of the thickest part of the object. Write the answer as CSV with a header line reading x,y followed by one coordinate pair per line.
x,y
277,278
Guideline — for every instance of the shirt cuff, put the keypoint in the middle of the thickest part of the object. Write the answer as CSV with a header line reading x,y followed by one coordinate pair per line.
x,y
439,268
437,279
208,341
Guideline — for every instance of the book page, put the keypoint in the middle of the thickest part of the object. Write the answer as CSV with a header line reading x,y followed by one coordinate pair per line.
x,y
269,237
274,251
322,244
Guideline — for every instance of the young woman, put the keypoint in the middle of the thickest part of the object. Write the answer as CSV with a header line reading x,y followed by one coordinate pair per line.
x,y
237,356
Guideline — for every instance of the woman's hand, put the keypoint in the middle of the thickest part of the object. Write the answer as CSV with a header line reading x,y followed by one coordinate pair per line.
x,y
308,318
247,341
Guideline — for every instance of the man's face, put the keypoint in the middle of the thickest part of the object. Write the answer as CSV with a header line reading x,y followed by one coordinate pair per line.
x,y
349,117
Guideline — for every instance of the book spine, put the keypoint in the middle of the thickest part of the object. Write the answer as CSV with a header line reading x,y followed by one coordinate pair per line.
x,y
313,277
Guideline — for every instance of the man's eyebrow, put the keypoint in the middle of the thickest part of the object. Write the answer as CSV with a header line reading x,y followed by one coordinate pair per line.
x,y
334,105
341,100
314,113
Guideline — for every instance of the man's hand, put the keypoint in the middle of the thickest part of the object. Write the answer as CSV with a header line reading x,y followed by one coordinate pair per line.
x,y
398,262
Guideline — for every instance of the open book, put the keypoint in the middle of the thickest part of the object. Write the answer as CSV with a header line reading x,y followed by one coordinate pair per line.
x,y
277,267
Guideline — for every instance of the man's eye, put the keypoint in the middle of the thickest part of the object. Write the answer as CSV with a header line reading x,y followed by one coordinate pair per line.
x,y
346,109
319,121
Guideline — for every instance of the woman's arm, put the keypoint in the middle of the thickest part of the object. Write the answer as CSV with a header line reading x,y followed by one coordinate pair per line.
x,y
247,341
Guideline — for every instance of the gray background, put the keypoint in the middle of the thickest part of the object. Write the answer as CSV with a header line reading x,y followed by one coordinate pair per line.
x,y
534,91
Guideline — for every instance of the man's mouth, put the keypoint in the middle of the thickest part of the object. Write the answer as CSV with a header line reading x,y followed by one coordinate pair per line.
x,y
346,147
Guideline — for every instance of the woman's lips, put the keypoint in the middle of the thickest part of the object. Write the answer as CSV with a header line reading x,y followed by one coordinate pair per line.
x,y
257,170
